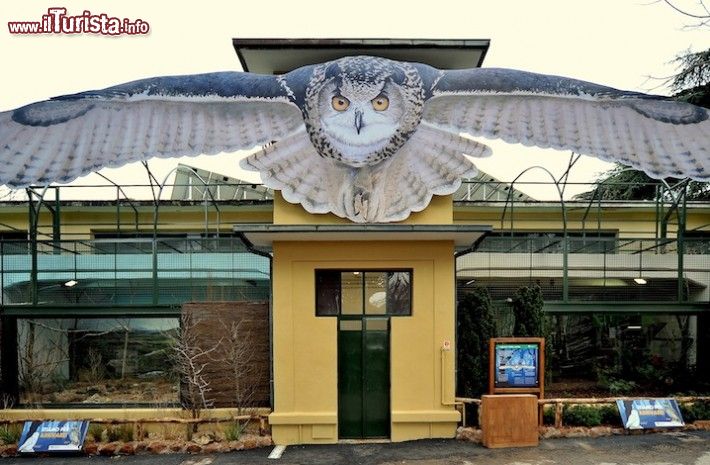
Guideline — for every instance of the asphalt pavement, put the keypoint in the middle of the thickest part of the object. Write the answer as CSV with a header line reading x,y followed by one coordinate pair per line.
x,y
673,448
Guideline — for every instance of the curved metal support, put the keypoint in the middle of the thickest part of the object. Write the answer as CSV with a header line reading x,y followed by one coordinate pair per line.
x,y
565,244
130,202
156,211
40,201
34,222
204,183
555,181
597,193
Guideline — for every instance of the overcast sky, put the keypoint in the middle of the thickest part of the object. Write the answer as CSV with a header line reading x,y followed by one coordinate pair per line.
x,y
613,42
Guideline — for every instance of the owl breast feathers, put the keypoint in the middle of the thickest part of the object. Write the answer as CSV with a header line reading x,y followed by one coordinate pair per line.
x,y
365,138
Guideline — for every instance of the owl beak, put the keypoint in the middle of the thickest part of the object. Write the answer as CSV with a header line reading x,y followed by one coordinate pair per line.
x,y
358,121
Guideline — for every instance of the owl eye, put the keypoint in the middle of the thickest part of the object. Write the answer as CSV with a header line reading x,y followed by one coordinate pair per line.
x,y
340,103
380,103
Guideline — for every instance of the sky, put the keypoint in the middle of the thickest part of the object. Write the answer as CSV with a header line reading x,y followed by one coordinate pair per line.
x,y
619,43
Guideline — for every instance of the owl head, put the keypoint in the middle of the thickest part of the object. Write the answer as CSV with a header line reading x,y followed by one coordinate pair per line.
x,y
361,110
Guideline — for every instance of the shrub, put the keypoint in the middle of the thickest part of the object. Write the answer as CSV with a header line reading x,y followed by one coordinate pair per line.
x,y
609,379
233,431
621,387
695,411
548,416
122,433
687,411
10,434
581,415
96,432
609,415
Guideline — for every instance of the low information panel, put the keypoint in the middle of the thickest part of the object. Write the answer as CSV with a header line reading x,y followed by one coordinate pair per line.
x,y
53,436
650,413
516,365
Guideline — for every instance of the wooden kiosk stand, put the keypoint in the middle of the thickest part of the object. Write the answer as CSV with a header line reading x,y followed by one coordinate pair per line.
x,y
510,413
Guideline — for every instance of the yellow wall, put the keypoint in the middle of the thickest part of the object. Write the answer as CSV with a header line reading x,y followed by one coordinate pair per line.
x,y
305,346
78,222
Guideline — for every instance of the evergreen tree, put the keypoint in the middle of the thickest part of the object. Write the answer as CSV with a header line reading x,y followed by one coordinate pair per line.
x,y
527,308
476,326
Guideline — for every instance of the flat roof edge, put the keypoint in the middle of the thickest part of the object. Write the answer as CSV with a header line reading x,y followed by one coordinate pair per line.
x,y
349,228
241,45
373,42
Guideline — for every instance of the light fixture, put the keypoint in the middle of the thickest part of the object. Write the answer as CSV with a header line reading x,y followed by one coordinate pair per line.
x,y
468,283
71,283
634,327
640,281
356,273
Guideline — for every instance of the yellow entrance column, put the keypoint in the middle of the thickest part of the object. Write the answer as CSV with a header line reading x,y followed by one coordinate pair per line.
x,y
305,348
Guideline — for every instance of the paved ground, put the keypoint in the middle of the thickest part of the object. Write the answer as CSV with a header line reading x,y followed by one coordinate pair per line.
x,y
652,449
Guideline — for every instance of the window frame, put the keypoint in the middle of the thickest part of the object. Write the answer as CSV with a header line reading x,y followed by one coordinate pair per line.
x,y
410,271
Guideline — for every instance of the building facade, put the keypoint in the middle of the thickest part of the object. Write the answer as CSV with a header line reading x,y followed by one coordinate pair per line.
x,y
359,321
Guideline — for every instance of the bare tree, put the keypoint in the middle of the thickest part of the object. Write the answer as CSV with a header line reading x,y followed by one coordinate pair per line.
x,y
236,354
191,358
701,13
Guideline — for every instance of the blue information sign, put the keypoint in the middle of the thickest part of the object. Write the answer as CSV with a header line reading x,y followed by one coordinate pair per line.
x,y
516,365
649,413
53,436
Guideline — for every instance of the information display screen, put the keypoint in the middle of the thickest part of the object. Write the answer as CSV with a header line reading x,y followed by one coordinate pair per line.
x,y
516,365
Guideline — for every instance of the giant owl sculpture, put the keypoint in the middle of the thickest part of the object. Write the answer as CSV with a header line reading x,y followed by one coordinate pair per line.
x,y
365,138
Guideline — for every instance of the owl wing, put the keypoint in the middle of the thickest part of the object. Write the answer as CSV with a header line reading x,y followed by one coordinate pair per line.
x,y
431,162
66,137
293,166
658,135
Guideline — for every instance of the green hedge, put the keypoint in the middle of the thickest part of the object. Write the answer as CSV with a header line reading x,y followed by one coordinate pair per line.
x,y
608,414
695,411
586,415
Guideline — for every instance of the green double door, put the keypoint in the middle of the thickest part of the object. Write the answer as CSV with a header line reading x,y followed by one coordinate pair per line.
x,y
363,378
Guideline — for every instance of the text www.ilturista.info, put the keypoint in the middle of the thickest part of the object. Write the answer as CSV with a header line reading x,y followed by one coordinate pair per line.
x,y
56,21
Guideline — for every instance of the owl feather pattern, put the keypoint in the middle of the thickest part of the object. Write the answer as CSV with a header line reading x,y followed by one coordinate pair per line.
x,y
365,138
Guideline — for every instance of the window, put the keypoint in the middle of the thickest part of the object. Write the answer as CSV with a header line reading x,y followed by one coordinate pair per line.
x,y
549,242
363,292
96,361
14,243
167,242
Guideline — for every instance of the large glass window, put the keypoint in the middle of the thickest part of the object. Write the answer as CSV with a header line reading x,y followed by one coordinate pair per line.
x,y
96,361
358,292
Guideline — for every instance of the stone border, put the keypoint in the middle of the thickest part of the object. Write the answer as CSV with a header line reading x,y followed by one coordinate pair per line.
x,y
161,447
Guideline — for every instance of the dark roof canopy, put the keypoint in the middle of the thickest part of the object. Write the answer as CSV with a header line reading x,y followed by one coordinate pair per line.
x,y
277,56
264,235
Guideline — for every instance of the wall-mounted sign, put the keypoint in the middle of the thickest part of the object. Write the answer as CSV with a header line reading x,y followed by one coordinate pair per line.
x,y
517,365
649,413
53,436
